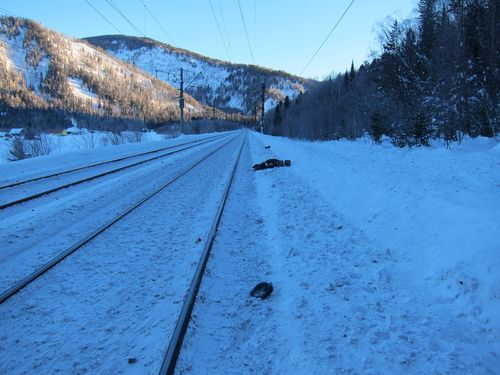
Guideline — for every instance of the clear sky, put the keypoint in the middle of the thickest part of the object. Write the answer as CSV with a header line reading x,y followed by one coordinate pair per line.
x,y
283,34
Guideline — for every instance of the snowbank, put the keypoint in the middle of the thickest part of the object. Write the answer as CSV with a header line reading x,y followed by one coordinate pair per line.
x,y
437,208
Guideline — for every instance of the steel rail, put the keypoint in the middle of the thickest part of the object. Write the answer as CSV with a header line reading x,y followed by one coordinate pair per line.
x,y
56,260
102,174
104,162
174,347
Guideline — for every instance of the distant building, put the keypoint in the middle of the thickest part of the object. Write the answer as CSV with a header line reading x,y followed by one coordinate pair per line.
x,y
17,132
73,130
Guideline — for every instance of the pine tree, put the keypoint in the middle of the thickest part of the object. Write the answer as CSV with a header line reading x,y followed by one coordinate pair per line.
x,y
277,119
427,26
376,127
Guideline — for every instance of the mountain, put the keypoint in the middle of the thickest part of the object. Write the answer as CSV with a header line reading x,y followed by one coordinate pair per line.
x,y
232,87
44,70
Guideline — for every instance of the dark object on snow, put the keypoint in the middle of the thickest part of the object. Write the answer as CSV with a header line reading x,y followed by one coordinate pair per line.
x,y
272,163
262,290
131,361
267,147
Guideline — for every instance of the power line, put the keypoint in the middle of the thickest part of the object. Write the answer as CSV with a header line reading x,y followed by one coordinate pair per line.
x,y
328,36
6,11
246,31
225,29
158,22
102,15
220,32
115,7
254,20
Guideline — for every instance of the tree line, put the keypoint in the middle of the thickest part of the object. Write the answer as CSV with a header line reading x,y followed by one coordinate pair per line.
x,y
436,77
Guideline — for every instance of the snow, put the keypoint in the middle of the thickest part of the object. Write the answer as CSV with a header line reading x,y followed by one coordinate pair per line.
x,y
87,140
383,260
16,131
73,130
101,315
16,59
79,89
166,65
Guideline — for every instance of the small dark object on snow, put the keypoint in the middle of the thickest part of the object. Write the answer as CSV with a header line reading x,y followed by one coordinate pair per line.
x,y
262,290
272,163
131,361
267,147
198,240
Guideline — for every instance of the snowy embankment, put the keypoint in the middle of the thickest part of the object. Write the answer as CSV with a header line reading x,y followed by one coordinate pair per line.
x,y
73,151
57,144
437,209
383,260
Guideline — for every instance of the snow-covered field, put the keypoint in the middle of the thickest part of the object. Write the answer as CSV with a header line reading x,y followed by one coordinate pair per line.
x,y
86,145
383,260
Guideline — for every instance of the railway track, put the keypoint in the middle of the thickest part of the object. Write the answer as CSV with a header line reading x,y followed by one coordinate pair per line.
x,y
20,198
14,289
175,344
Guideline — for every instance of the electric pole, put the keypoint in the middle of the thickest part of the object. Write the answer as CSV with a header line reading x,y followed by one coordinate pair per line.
x,y
262,111
181,102
213,113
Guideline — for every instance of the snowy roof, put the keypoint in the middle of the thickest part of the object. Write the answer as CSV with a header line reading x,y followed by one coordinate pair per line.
x,y
16,131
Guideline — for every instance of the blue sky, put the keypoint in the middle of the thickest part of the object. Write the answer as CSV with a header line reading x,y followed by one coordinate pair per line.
x,y
283,34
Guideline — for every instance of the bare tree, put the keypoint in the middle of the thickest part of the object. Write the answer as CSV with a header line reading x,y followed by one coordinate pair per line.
x,y
113,138
88,139
40,147
17,151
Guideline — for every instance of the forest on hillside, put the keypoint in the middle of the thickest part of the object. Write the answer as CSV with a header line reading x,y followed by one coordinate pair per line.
x,y
436,77
37,66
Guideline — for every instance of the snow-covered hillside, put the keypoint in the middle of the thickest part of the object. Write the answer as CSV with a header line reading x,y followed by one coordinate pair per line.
x,y
42,69
222,84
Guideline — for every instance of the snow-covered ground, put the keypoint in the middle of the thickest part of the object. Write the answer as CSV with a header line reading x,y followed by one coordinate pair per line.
x,y
117,298
85,145
383,260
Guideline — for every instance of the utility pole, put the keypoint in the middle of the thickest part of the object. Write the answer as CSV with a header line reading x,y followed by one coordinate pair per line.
x,y
181,102
255,116
213,113
262,111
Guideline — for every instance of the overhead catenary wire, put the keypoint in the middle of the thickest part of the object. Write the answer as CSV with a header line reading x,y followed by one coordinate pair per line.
x,y
246,31
328,36
158,22
103,16
115,7
225,29
254,20
7,12
218,27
